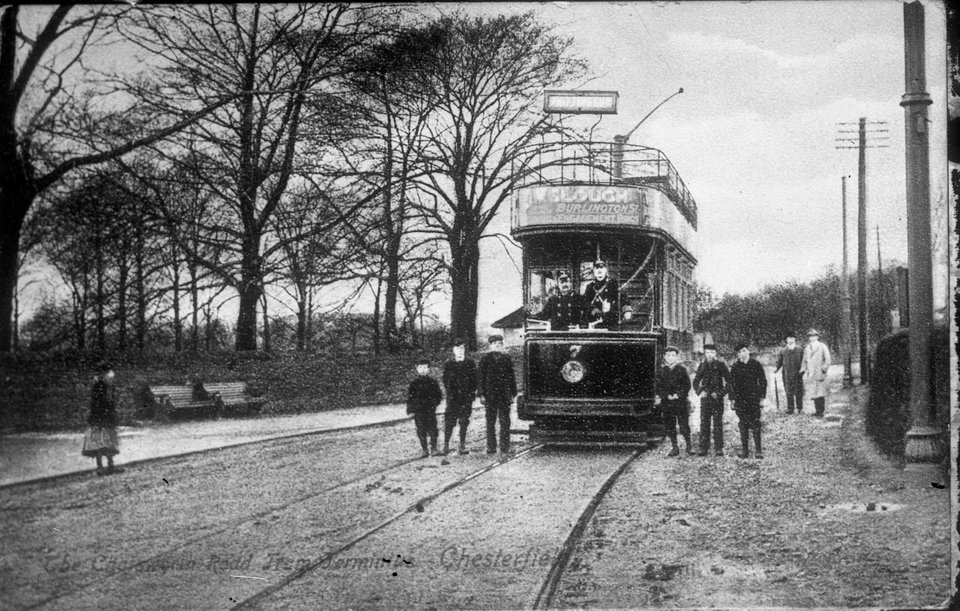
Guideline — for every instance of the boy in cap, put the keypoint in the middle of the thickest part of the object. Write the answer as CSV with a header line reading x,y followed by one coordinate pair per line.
x,y
710,384
673,386
602,297
748,391
101,438
564,309
789,361
460,384
816,362
497,389
423,397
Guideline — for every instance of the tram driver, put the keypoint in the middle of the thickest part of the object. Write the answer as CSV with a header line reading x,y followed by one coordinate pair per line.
x,y
602,297
565,309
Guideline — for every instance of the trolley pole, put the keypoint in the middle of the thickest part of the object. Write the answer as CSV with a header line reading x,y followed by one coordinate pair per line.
x,y
845,346
924,443
618,141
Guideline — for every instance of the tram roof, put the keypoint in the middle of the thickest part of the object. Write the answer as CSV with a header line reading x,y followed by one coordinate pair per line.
x,y
598,164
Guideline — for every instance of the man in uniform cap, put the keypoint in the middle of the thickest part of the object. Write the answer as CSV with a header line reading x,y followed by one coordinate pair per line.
x,y
602,297
565,309
816,362
460,384
497,388
748,391
711,384
672,388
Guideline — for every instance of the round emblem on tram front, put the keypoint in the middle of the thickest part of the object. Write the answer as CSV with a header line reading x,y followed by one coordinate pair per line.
x,y
573,371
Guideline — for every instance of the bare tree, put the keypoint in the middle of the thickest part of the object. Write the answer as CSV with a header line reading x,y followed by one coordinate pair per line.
x,y
53,121
484,85
275,57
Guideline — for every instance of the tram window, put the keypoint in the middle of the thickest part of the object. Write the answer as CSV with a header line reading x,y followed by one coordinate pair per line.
x,y
542,286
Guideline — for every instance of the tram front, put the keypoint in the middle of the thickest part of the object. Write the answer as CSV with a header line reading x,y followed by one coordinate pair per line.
x,y
607,267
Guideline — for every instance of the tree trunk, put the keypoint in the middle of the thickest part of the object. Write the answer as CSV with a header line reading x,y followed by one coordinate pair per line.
x,y
195,305
376,319
122,277
247,317
101,325
302,316
266,322
465,264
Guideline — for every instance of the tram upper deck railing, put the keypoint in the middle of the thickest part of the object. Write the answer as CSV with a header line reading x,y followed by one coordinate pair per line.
x,y
603,163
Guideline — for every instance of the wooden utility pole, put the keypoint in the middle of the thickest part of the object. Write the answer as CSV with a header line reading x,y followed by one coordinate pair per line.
x,y
845,343
882,289
924,444
861,145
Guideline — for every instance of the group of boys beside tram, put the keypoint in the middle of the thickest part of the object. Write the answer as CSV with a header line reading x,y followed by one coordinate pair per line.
x,y
745,384
492,381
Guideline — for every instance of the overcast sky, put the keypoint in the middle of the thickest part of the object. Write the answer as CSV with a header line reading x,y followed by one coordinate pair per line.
x,y
765,84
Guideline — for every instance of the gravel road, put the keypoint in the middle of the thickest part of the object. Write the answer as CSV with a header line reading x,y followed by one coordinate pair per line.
x,y
212,530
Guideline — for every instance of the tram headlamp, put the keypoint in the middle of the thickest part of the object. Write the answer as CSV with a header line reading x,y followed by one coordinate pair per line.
x,y
573,371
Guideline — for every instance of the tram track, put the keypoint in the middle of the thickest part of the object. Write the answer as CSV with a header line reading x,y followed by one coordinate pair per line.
x,y
496,543
225,528
418,506
72,587
562,560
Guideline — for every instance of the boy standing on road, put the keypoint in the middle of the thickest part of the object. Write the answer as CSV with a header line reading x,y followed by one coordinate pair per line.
x,y
789,361
673,386
460,384
711,384
748,391
423,397
497,388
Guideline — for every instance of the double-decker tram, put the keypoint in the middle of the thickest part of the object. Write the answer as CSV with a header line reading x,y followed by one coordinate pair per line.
x,y
592,355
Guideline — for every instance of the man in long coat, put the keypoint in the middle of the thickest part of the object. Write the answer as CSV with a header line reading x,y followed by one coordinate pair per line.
x,y
789,361
497,388
816,362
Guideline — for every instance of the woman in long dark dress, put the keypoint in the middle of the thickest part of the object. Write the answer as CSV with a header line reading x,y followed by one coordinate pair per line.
x,y
101,438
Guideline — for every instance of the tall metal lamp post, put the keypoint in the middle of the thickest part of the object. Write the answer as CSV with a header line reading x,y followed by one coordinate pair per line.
x,y
924,443
619,141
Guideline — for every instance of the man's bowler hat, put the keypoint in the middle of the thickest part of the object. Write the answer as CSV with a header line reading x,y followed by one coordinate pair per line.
x,y
496,337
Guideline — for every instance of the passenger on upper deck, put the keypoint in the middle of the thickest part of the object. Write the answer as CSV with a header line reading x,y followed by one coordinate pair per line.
x,y
602,297
563,310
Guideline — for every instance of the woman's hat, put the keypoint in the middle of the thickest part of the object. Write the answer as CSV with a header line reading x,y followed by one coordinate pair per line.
x,y
813,331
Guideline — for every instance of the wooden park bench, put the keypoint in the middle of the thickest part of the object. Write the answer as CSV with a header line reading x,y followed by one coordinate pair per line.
x,y
232,397
170,401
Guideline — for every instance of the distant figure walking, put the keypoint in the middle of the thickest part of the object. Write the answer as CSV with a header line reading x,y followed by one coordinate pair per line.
x,y
423,397
789,362
497,389
673,386
748,390
710,384
101,438
816,362
460,384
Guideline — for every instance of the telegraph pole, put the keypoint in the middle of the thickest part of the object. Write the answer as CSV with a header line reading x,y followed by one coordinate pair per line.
x,y
861,145
845,346
924,444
